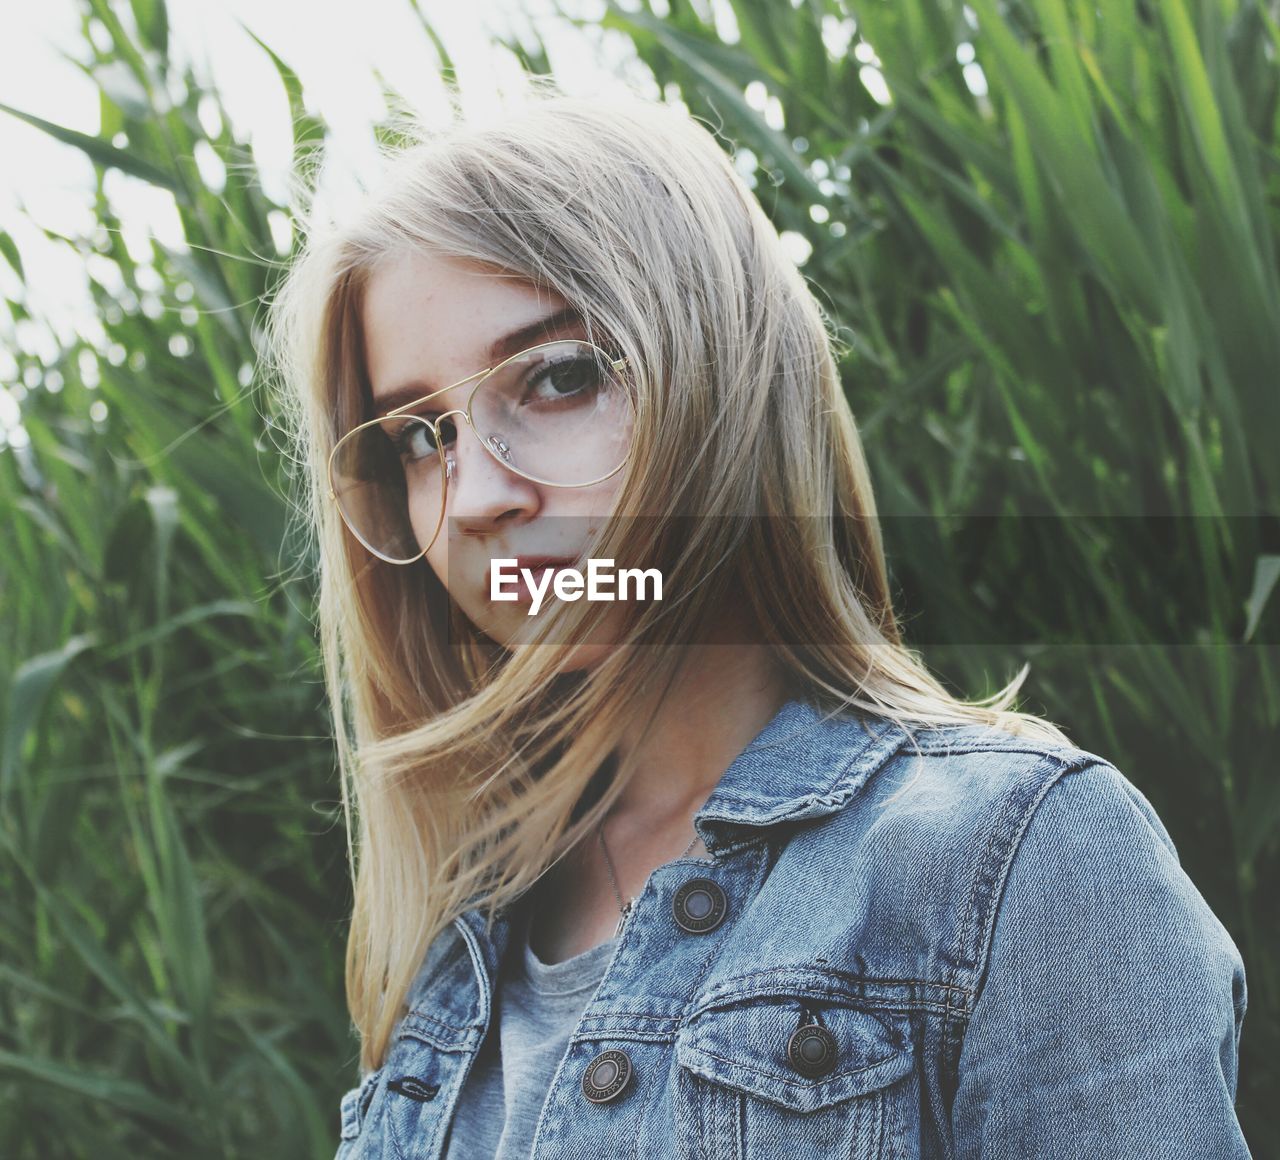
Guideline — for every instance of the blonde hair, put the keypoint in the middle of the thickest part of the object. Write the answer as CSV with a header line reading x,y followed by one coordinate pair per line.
x,y
463,768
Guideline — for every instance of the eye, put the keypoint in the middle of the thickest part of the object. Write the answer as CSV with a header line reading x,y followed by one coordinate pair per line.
x,y
571,377
413,441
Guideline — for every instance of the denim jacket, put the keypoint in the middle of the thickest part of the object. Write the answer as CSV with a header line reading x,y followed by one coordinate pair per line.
x,y
1006,960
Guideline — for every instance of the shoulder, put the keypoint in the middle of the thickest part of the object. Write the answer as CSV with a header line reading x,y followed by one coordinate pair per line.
x,y
1034,839
1090,962
978,781
1034,863
965,816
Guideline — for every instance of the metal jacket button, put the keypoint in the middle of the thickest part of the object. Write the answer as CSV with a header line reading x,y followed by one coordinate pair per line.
x,y
606,1076
812,1051
699,905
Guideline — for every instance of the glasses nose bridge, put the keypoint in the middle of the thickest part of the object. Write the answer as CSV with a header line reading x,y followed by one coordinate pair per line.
x,y
436,420
450,464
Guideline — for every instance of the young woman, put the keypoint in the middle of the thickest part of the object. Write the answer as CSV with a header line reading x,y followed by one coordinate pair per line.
x,y
726,873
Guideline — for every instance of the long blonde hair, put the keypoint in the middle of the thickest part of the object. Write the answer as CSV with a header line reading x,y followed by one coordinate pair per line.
x,y
463,769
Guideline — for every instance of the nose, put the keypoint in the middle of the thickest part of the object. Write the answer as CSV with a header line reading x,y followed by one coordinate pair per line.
x,y
480,493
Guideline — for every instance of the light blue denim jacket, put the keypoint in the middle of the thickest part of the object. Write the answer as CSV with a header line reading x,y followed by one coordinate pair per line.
x,y
1008,961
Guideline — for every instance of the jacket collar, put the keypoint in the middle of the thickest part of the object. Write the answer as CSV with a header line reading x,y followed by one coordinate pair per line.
x,y
807,762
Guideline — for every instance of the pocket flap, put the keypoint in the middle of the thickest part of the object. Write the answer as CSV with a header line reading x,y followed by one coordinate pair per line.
x,y
744,1046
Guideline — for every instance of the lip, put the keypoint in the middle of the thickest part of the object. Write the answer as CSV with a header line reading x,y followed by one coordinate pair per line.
x,y
533,563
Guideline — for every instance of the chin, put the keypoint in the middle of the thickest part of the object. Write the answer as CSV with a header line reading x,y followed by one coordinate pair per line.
x,y
584,658
511,635
567,659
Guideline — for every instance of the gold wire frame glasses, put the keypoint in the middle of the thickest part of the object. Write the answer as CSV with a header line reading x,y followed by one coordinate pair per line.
x,y
377,466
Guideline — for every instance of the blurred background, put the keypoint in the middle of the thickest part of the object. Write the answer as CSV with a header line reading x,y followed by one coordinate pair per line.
x,y
1047,232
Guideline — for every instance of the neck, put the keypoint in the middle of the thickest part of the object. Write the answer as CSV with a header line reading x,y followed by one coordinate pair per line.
x,y
726,694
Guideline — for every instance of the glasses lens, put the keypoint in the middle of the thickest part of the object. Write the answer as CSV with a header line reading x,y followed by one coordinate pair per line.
x,y
559,413
388,480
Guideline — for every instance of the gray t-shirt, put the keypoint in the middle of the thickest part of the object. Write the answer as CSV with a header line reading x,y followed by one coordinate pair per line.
x,y
536,1009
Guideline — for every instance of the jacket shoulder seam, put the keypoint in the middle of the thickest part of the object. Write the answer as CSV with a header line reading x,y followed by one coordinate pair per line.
x,y
1012,817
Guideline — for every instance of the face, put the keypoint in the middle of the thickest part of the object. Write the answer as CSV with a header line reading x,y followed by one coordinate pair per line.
x,y
430,322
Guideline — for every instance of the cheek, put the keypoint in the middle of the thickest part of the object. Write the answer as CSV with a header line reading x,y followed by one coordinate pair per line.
x,y
438,554
599,500
423,517
440,566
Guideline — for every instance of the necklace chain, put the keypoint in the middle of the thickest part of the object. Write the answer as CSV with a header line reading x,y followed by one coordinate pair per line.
x,y
625,906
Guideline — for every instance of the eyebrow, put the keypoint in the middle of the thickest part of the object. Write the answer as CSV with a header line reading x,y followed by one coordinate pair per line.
x,y
502,348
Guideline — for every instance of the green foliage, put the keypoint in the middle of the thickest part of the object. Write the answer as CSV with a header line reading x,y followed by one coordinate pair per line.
x,y
169,832
1059,304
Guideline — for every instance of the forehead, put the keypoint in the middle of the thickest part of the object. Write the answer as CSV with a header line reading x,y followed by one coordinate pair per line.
x,y
434,319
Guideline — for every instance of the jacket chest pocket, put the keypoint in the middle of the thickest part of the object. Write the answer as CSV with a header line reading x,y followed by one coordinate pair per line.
x,y
756,1081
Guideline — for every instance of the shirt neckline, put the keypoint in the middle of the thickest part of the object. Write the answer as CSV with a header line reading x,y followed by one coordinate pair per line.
x,y
580,972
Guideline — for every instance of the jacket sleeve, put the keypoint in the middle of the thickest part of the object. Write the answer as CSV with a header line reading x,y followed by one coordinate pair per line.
x,y
1107,1022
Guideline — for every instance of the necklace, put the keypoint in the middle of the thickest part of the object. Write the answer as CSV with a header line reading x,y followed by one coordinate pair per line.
x,y
625,906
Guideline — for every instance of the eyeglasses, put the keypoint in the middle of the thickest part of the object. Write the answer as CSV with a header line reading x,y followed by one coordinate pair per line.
x,y
558,414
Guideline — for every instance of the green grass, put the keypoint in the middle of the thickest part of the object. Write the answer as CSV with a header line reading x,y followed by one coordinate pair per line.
x,y
172,868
